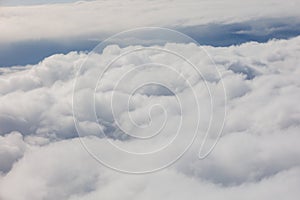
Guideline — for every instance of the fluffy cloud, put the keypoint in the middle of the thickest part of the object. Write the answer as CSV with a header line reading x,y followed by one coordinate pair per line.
x,y
30,101
256,158
12,148
63,175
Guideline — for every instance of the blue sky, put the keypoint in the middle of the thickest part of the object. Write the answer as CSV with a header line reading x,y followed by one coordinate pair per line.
x,y
33,51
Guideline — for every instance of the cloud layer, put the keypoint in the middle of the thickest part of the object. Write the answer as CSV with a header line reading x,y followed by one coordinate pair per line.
x,y
257,157
31,33
99,18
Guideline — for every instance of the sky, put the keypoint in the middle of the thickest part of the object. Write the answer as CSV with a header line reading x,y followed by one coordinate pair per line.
x,y
149,100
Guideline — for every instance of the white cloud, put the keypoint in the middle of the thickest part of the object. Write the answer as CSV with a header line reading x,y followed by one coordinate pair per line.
x,y
12,148
100,18
63,175
257,157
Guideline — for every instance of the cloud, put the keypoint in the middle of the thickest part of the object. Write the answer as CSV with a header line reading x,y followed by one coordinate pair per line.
x,y
100,18
31,33
33,2
11,149
257,153
62,174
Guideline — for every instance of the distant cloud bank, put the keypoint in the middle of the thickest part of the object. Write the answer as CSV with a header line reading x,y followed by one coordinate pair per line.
x,y
31,33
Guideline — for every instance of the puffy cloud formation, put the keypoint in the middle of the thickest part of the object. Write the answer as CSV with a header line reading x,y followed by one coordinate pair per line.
x,y
11,149
64,175
256,158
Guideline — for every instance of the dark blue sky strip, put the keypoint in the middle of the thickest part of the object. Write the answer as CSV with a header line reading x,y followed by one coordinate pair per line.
x,y
32,52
